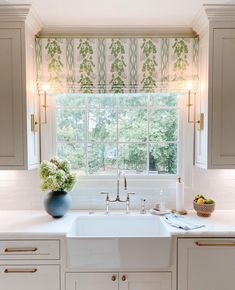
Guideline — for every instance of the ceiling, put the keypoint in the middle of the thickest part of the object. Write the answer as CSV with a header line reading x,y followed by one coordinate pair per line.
x,y
117,12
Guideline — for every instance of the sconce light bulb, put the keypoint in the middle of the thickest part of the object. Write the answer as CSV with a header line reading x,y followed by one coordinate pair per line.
x,y
46,87
189,86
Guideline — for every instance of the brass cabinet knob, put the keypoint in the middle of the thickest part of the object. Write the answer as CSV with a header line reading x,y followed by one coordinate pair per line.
x,y
114,278
124,278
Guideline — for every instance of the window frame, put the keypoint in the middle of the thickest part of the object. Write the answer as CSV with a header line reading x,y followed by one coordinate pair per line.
x,y
184,152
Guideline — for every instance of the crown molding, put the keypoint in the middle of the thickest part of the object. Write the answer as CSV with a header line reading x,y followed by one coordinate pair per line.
x,y
34,22
212,13
223,12
21,13
200,23
115,31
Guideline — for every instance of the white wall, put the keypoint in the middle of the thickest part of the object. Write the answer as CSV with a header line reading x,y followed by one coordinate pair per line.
x,y
21,190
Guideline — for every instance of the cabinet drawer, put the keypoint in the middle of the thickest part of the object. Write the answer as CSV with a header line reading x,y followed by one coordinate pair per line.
x,y
210,258
29,249
28,277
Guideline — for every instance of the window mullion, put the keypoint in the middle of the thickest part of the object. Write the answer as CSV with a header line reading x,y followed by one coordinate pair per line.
x,y
148,131
117,137
86,135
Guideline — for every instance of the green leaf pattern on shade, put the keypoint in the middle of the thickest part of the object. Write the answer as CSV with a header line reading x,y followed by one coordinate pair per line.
x,y
86,66
180,65
149,67
55,65
118,66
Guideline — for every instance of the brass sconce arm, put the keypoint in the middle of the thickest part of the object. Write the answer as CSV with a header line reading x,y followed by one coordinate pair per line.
x,y
200,121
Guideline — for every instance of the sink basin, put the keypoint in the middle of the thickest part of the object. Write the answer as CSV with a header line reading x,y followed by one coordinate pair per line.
x,y
118,241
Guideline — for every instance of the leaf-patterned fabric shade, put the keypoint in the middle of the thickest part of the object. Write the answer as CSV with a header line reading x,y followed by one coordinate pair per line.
x,y
117,65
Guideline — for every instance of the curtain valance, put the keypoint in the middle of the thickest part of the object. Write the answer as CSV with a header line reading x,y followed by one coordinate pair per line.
x,y
116,65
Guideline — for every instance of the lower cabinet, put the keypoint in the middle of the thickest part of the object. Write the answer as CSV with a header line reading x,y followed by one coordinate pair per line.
x,y
30,277
206,264
118,281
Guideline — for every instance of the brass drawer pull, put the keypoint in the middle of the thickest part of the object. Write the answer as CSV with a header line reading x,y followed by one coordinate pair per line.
x,y
15,270
124,278
114,278
203,244
20,250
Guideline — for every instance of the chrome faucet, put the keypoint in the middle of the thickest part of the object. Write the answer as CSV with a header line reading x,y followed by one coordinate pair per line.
x,y
117,199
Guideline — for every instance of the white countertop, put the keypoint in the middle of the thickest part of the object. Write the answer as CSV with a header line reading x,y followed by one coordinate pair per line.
x,y
37,223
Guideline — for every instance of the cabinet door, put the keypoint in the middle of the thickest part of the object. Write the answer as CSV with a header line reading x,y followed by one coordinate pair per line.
x,y
12,106
30,277
145,281
91,281
206,264
222,101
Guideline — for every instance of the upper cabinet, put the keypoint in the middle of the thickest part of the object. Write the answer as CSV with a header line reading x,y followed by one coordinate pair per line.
x,y
19,144
215,144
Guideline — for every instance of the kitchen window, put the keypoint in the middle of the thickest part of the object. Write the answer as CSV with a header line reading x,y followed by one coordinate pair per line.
x,y
134,132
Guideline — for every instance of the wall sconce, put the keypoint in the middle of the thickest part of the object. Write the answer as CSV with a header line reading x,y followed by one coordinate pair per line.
x,y
34,119
200,121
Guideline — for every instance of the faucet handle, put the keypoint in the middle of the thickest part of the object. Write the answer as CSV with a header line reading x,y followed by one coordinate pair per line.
x,y
107,194
129,193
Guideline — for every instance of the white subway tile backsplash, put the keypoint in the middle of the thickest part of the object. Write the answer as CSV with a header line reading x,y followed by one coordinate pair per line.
x,y
21,190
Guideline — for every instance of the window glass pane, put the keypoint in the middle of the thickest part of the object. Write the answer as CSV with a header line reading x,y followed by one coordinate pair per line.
x,y
130,100
101,100
71,100
102,159
133,158
75,153
70,125
165,99
163,159
133,125
163,125
102,125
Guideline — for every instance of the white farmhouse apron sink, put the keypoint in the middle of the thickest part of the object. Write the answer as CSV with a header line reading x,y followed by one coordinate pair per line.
x,y
118,241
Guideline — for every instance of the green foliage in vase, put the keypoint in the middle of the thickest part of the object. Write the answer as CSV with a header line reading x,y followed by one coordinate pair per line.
x,y
181,52
149,68
118,66
55,65
56,175
86,66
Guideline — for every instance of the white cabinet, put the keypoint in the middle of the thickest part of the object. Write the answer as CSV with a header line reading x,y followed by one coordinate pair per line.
x,y
29,265
223,99
11,98
19,145
91,281
215,144
29,250
206,264
145,281
29,277
118,281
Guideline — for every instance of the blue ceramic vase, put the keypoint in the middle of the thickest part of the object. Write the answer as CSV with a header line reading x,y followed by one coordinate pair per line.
x,y
57,203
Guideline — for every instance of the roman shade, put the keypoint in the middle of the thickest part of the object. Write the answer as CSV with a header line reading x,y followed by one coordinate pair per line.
x,y
117,65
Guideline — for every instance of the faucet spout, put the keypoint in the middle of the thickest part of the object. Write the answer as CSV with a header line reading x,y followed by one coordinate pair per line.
x,y
118,185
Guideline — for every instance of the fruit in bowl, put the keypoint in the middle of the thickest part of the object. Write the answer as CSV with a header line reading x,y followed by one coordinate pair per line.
x,y
203,206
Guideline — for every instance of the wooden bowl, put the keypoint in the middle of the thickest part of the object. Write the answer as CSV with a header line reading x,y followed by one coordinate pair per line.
x,y
204,210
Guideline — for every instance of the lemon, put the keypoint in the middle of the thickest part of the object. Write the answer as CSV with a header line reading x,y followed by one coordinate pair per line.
x,y
201,201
